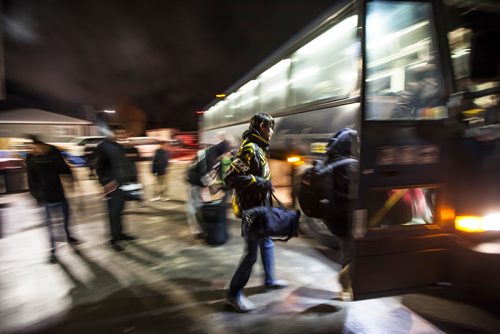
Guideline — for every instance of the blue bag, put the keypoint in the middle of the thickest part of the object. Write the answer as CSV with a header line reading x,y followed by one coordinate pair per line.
x,y
268,221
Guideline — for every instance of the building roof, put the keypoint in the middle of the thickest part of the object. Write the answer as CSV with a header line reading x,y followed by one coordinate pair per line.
x,y
37,116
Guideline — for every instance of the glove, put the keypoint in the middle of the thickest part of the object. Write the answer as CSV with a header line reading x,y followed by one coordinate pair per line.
x,y
264,184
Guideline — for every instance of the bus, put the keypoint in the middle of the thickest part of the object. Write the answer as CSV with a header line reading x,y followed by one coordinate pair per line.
x,y
420,82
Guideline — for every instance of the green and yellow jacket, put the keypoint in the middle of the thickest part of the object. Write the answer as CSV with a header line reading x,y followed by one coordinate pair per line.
x,y
249,173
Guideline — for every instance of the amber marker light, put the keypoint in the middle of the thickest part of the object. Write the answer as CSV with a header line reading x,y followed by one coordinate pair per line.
x,y
447,214
294,159
220,96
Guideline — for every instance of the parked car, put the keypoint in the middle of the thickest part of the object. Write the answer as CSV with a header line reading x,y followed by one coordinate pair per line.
x,y
177,150
76,146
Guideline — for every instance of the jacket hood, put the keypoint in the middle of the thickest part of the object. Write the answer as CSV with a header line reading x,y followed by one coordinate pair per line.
x,y
255,137
344,143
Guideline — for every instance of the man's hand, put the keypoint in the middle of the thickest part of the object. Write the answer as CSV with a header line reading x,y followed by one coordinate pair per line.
x,y
264,184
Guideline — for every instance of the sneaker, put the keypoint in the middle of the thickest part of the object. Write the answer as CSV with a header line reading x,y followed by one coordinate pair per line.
x,y
277,284
53,259
345,295
240,303
126,237
115,246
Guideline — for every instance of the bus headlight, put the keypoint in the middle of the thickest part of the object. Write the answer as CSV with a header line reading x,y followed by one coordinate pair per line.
x,y
489,222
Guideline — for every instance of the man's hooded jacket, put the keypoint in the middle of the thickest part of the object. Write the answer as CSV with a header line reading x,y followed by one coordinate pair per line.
x,y
249,173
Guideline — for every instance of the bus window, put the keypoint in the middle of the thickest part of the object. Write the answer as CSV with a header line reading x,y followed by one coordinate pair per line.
x,y
401,207
249,99
326,67
274,87
482,109
403,78
233,108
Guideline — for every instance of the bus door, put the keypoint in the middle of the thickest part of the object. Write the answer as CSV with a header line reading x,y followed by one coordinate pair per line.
x,y
399,244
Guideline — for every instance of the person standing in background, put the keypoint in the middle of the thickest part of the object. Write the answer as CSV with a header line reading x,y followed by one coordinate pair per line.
x,y
45,164
159,168
113,170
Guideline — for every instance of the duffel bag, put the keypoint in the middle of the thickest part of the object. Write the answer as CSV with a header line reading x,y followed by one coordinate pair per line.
x,y
266,221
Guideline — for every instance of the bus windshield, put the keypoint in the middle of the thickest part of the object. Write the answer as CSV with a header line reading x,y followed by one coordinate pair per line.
x,y
403,74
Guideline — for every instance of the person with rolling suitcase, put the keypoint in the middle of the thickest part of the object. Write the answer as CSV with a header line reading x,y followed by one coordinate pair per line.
x,y
206,218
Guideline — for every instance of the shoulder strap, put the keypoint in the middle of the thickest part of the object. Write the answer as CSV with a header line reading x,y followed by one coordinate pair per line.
x,y
341,162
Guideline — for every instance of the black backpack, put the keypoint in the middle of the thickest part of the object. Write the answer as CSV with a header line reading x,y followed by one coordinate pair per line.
x,y
316,187
198,169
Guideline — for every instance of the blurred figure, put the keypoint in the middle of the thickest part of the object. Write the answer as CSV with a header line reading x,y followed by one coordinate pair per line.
x,y
201,175
90,160
250,176
45,164
421,93
159,168
113,170
344,144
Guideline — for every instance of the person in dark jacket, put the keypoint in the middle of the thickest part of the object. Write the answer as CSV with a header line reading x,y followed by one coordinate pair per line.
x,y
45,164
113,170
250,176
159,168
345,144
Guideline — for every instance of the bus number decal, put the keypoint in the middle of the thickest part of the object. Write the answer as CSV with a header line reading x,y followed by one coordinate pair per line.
x,y
318,147
408,155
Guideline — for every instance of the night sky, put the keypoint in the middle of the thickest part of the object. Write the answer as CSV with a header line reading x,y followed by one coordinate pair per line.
x,y
168,58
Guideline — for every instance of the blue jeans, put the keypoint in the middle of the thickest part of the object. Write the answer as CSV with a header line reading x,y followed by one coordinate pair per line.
x,y
242,274
51,211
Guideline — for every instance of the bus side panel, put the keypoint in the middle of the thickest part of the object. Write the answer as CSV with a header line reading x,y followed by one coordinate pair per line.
x,y
419,261
294,134
371,271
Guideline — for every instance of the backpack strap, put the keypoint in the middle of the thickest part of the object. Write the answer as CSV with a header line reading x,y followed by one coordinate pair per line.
x,y
341,162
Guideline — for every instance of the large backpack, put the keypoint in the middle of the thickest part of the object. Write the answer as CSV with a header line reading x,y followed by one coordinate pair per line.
x,y
316,187
198,169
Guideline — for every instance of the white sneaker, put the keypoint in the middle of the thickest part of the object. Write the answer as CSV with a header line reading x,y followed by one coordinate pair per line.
x,y
240,303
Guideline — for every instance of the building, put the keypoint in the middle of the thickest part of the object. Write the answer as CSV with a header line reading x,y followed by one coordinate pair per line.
x,y
51,127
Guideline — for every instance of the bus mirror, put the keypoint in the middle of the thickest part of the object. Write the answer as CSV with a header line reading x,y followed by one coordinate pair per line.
x,y
485,56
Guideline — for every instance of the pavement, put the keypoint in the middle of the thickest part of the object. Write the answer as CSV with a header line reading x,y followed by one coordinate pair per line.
x,y
167,281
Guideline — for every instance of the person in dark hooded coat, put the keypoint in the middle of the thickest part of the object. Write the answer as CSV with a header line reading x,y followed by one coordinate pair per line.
x,y
344,144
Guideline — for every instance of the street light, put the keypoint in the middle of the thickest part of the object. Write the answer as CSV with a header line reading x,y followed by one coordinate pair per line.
x,y
109,111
